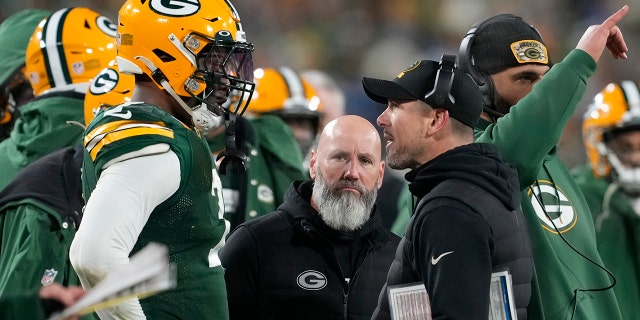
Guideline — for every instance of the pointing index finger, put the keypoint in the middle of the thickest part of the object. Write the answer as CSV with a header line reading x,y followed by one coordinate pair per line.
x,y
616,17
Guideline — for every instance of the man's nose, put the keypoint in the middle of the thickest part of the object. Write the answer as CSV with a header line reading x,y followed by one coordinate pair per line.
x,y
382,119
352,170
633,157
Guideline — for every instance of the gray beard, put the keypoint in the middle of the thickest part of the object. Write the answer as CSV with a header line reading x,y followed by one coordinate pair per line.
x,y
343,211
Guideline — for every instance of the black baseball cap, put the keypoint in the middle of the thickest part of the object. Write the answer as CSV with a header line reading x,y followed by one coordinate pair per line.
x,y
415,82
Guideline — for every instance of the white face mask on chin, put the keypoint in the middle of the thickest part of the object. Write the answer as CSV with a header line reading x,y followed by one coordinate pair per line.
x,y
627,178
204,119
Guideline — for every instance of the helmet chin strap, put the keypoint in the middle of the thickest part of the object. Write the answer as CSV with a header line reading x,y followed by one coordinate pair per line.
x,y
206,120
202,118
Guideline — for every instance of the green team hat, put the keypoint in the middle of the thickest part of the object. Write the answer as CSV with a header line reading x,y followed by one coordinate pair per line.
x,y
15,32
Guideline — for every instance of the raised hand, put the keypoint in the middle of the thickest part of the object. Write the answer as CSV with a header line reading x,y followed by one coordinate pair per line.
x,y
607,34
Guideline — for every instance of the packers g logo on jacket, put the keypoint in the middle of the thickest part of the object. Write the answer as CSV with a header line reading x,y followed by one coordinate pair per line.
x,y
547,199
312,280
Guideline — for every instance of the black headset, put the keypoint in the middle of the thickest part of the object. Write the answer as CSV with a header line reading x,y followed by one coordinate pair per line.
x,y
467,65
440,96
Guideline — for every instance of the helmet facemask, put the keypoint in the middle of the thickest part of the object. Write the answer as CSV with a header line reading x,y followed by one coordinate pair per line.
x,y
624,170
223,67
627,178
14,92
205,58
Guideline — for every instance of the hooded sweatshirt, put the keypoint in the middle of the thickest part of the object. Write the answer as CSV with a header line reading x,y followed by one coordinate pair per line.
x,y
290,265
46,124
467,226
39,215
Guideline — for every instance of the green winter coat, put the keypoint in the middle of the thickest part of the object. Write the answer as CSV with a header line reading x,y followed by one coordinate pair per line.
x,y
22,305
527,138
618,232
41,129
39,214
31,252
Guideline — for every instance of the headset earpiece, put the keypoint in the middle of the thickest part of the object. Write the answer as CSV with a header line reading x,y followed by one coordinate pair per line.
x,y
467,63
482,79
441,96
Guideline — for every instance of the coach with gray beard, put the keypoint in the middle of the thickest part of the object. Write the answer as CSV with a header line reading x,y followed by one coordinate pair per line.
x,y
324,253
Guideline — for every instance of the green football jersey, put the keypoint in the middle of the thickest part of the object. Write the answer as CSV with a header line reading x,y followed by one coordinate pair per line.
x,y
190,222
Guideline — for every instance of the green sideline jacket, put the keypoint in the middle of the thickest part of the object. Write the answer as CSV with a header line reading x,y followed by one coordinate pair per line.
x,y
39,214
527,138
618,233
41,128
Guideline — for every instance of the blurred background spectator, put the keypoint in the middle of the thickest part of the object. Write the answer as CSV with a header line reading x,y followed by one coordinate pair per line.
x,y
349,39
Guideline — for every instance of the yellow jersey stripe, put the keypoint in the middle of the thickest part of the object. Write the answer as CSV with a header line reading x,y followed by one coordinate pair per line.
x,y
113,136
107,127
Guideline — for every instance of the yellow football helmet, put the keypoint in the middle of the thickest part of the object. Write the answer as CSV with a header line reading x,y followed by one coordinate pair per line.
x,y
281,91
189,47
68,49
615,109
109,88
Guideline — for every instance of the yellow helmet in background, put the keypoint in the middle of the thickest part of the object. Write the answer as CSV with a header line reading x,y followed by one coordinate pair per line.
x,y
191,45
109,88
68,48
615,109
282,92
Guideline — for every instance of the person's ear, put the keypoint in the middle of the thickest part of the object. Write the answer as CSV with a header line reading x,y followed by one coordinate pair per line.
x,y
438,121
312,164
382,164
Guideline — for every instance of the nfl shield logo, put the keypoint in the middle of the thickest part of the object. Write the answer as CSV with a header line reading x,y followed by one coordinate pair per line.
x,y
48,277
78,67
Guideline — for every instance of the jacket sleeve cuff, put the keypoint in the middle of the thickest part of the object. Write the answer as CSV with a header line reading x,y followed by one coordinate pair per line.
x,y
581,62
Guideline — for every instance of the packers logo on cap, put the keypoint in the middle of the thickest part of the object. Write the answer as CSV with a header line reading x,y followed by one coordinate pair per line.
x,y
412,67
528,51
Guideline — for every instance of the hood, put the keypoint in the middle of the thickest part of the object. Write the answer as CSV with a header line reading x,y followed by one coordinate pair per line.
x,y
43,126
477,163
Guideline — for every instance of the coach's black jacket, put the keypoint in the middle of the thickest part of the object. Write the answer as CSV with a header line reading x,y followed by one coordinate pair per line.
x,y
284,266
467,225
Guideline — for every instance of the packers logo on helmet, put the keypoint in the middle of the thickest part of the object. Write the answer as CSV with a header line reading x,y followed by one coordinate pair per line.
x,y
104,82
107,26
189,48
67,49
175,8
107,89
